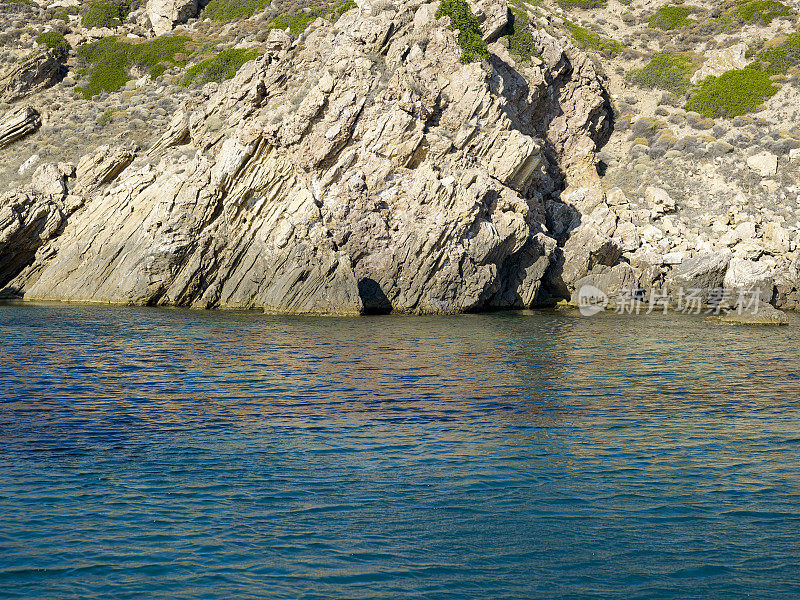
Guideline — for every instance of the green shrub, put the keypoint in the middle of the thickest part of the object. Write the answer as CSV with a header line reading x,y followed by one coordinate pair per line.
x,y
733,93
671,72
779,59
63,13
473,48
56,42
100,13
671,17
157,55
728,16
230,10
588,39
582,3
762,10
106,63
520,39
220,67
339,8
106,118
296,23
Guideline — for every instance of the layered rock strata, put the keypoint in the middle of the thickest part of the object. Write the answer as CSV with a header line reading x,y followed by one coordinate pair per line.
x,y
358,168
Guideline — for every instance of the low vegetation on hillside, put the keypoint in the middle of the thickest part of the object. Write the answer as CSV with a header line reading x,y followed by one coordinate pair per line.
x,y
670,72
781,56
671,17
105,13
55,42
764,11
230,10
473,48
520,39
591,40
295,15
582,3
219,67
733,93
106,64
736,92
727,16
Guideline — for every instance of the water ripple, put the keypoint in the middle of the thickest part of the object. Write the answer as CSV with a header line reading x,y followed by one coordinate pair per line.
x,y
167,453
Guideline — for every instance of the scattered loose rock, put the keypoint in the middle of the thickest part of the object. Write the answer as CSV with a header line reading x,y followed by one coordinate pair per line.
x,y
763,163
659,201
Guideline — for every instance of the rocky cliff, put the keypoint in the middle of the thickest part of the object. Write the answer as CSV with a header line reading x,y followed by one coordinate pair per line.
x,y
359,165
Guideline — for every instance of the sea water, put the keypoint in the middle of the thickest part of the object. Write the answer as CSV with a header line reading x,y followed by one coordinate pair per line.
x,y
153,453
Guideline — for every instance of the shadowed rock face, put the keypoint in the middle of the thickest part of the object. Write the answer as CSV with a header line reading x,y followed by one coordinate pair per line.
x,y
360,168
18,123
35,73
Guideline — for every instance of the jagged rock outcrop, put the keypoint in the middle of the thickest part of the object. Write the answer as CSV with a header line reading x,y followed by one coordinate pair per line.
x,y
746,280
658,201
102,166
176,134
165,14
50,180
619,281
31,216
27,220
18,123
35,73
359,168
492,17
763,163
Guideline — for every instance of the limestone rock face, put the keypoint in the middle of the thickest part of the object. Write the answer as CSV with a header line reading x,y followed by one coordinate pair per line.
x,y
492,17
49,180
359,168
27,220
619,281
746,279
35,73
17,124
720,61
96,169
587,248
763,163
165,14
700,276
777,240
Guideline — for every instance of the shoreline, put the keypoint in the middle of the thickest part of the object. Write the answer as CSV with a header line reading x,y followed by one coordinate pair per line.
x,y
705,316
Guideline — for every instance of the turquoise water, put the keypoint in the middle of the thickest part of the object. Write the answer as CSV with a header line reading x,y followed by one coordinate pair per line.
x,y
152,453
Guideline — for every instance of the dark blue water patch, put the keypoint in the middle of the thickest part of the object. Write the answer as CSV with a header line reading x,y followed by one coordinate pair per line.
x,y
166,453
